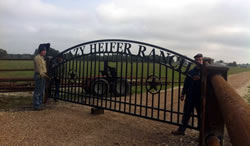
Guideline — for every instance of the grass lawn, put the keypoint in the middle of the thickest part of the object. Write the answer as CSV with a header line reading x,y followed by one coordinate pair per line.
x,y
94,67
14,102
142,69
235,70
16,65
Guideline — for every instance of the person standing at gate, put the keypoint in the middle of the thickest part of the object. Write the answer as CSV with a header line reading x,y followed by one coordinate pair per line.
x,y
58,73
192,91
40,76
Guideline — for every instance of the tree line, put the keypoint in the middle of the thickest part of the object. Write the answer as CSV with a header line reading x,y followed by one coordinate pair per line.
x,y
4,54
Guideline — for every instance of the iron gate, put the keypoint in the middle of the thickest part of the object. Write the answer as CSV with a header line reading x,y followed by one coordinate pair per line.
x,y
125,76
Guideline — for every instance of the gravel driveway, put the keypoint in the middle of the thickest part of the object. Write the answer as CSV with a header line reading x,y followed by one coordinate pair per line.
x,y
71,124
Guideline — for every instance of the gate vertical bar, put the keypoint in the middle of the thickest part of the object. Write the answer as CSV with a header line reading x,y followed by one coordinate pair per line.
x,y
142,76
88,79
159,94
68,81
76,79
131,78
146,110
179,94
94,78
166,91
121,77
172,96
99,67
136,80
126,76
84,81
153,95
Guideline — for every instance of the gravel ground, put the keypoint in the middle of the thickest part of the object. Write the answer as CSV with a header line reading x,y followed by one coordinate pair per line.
x,y
71,124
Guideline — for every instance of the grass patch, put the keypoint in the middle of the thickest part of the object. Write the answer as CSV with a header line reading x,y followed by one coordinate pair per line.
x,y
247,97
14,102
235,70
6,64
143,70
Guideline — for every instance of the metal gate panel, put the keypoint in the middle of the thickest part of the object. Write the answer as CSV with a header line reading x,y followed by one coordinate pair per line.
x,y
125,76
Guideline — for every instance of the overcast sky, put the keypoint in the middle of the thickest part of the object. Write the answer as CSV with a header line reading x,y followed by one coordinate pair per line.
x,y
217,28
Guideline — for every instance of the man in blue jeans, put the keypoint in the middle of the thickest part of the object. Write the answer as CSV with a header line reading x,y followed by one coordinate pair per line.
x,y
40,76
192,91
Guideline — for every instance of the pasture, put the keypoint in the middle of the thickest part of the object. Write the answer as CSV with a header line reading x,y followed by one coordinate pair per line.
x,y
29,64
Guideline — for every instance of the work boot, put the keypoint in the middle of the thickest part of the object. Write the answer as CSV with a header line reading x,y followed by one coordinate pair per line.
x,y
38,109
178,132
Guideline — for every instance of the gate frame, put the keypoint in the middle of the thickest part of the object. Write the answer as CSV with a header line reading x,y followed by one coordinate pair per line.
x,y
203,74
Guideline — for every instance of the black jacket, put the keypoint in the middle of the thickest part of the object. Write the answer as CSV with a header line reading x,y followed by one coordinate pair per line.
x,y
192,88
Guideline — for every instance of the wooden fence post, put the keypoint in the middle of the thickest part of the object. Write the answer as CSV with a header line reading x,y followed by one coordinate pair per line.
x,y
234,110
212,120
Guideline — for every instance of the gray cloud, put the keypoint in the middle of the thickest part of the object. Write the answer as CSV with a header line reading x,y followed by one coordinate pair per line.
x,y
217,28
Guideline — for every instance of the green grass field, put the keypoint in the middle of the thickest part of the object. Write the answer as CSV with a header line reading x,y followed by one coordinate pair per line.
x,y
16,65
235,70
140,72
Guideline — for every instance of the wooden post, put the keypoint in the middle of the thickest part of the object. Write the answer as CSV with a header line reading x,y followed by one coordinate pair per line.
x,y
212,122
224,106
203,104
234,110
212,141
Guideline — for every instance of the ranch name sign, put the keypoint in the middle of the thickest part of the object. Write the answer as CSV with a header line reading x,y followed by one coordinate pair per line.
x,y
153,53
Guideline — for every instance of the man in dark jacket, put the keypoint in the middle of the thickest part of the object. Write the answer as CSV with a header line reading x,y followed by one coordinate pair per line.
x,y
58,74
192,91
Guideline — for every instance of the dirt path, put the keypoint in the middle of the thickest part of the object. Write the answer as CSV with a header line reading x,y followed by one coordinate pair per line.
x,y
70,124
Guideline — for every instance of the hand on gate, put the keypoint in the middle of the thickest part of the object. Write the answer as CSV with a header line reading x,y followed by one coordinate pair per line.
x,y
47,77
196,77
182,97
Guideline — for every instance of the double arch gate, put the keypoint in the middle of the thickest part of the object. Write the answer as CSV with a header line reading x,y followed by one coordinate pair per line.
x,y
125,76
